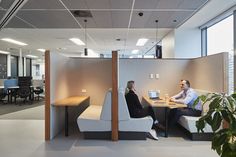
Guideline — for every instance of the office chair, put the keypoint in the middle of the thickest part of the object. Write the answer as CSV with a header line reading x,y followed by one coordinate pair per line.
x,y
38,91
24,92
2,96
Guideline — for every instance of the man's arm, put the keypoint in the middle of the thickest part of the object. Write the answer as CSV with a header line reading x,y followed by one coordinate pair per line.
x,y
186,100
177,96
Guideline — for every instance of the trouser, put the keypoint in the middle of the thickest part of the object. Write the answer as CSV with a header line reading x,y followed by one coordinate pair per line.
x,y
176,113
146,111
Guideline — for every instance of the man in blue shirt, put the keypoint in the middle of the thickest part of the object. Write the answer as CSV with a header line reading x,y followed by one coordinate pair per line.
x,y
186,96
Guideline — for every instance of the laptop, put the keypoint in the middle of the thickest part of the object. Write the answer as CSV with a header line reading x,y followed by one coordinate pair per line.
x,y
154,94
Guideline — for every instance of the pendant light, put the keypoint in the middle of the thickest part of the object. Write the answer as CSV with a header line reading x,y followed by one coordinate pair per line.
x,y
85,36
158,47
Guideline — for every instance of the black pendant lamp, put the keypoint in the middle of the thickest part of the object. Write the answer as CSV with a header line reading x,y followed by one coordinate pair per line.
x,y
85,36
158,47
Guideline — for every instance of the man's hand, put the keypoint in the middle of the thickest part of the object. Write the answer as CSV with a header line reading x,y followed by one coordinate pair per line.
x,y
172,99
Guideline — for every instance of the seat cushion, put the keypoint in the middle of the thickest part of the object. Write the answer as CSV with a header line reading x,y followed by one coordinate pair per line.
x,y
189,123
89,120
136,124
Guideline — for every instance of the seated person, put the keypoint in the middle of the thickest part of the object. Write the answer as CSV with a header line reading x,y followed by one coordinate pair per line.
x,y
186,96
136,110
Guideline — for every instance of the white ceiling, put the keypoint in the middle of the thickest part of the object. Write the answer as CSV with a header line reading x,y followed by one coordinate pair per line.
x,y
49,24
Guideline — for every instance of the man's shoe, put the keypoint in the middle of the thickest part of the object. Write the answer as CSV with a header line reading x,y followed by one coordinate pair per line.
x,y
152,134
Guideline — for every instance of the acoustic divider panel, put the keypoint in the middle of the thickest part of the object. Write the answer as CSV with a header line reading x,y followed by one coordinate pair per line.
x,y
209,73
206,73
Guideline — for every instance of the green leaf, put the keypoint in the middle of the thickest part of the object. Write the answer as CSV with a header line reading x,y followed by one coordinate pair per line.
x,y
196,102
232,146
215,104
225,115
200,124
216,121
227,152
219,140
233,125
234,96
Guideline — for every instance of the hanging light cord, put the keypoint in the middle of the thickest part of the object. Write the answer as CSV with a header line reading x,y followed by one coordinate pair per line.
x,y
156,30
85,34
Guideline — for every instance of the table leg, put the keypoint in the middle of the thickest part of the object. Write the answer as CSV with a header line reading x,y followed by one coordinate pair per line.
x,y
166,121
66,120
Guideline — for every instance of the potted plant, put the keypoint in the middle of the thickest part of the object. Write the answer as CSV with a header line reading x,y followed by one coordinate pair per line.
x,y
222,109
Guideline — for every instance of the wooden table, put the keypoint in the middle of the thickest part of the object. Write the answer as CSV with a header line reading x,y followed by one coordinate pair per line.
x,y
164,104
70,102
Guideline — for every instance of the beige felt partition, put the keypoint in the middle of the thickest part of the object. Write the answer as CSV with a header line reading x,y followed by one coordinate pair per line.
x,y
59,89
209,73
170,72
91,74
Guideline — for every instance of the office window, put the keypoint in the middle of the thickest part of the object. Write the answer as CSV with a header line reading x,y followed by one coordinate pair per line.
x,y
220,37
3,66
14,66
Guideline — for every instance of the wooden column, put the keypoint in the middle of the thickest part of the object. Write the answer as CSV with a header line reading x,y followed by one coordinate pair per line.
x,y
114,109
47,95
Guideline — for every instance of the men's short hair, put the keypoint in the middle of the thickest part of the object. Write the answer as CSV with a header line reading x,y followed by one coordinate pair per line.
x,y
187,82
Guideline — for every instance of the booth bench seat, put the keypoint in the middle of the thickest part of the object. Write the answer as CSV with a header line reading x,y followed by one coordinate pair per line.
x,y
89,120
189,123
95,121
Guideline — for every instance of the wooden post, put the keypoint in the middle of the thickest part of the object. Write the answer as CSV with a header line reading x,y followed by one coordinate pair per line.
x,y
114,109
47,95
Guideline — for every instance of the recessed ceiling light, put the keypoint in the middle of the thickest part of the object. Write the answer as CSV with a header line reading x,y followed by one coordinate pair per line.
x,y
135,51
141,42
4,52
31,56
42,50
14,41
77,41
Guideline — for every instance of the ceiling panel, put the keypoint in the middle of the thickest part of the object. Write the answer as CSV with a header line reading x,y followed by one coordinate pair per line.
x,y
75,4
17,23
168,4
90,22
192,4
148,19
102,19
121,4
146,4
101,4
6,4
120,19
140,22
2,13
165,19
49,19
43,4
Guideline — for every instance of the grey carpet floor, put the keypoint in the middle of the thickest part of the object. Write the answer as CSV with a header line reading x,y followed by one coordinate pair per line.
x,y
9,108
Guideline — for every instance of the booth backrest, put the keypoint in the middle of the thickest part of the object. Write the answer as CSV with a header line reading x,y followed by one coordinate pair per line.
x,y
106,108
123,108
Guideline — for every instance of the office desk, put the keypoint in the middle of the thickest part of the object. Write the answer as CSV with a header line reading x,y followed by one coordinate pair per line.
x,y
70,102
163,104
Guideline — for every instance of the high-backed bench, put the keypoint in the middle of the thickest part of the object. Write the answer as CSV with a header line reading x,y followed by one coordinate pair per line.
x,y
95,121
189,123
